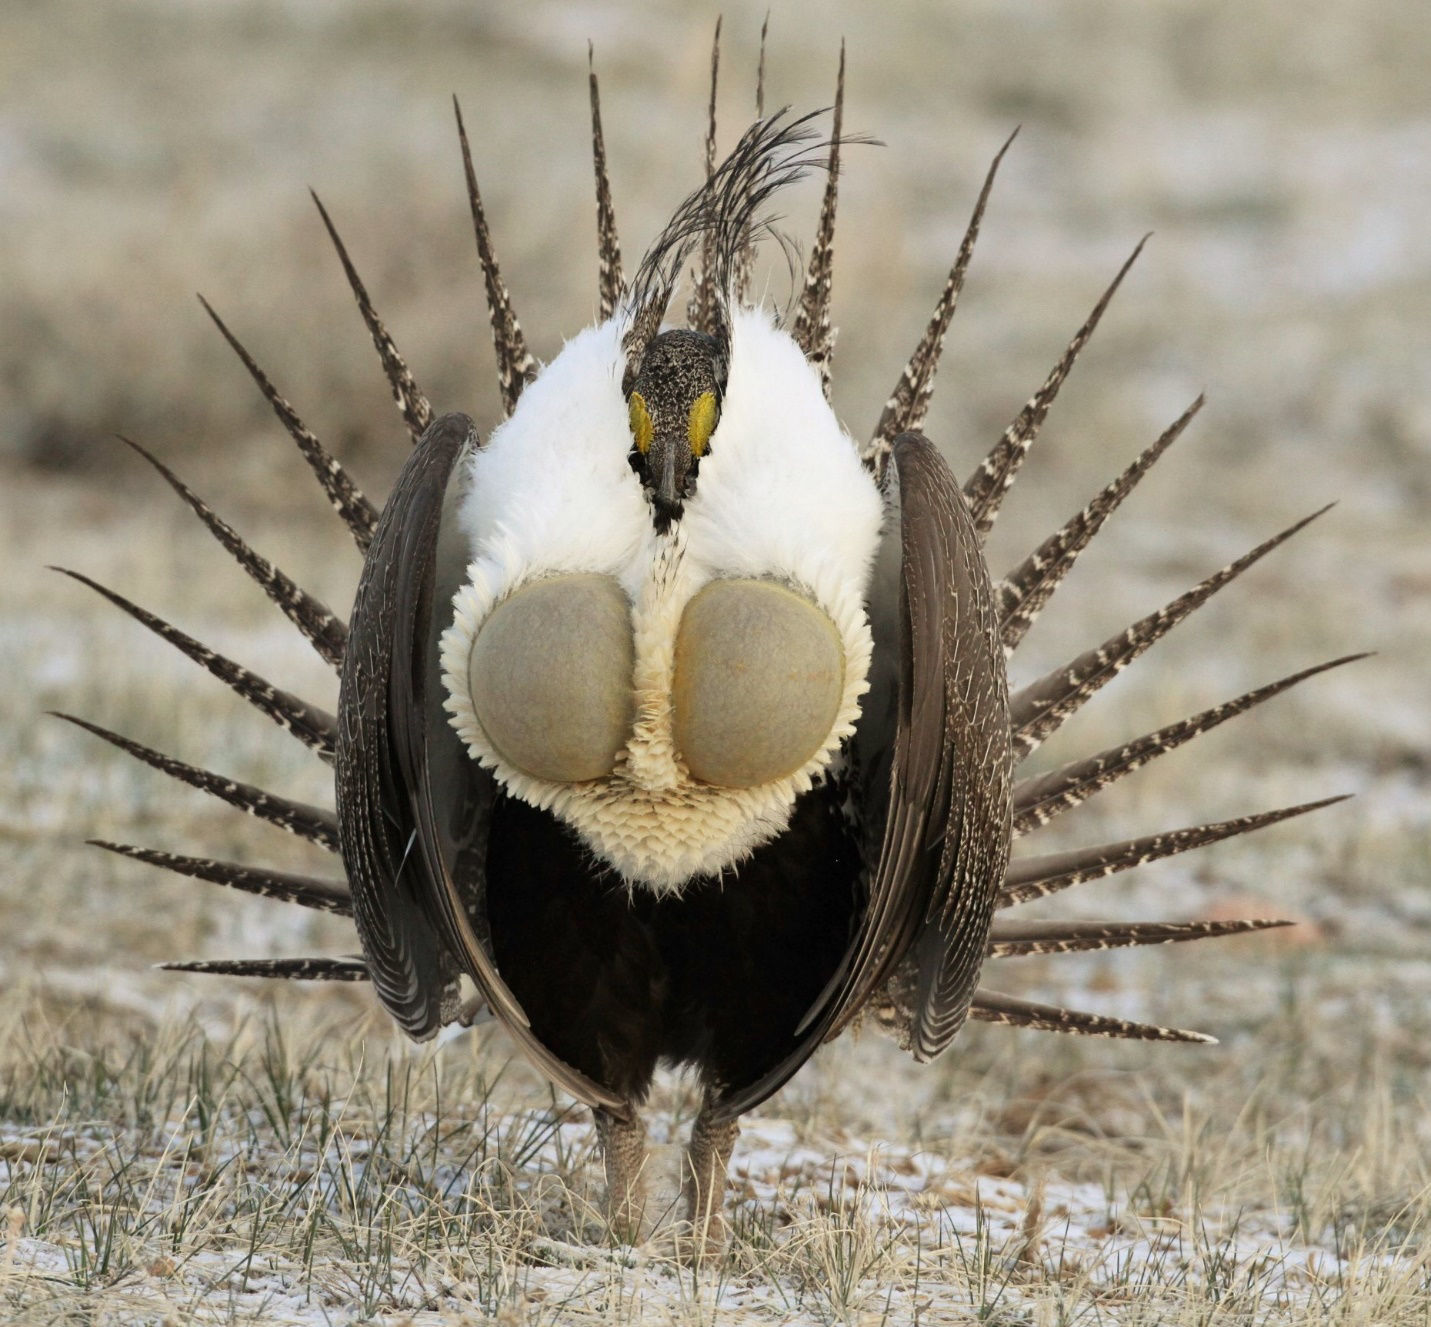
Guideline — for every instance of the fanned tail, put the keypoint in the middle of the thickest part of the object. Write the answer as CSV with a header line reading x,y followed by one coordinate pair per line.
x,y
327,632
1040,709
986,487
909,403
719,223
608,245
413,405
1036,877
1024,592
515,365
307,891
314,823
313,727
359,515
991,1007
812,331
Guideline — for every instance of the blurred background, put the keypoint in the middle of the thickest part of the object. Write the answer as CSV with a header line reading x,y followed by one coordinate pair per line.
x,y
1281,155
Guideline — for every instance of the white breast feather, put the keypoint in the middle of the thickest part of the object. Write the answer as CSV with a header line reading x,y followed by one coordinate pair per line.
x,y
782,494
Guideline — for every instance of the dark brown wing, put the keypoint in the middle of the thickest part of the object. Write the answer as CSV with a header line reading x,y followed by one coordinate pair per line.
x,y
413,808
946,833
947,825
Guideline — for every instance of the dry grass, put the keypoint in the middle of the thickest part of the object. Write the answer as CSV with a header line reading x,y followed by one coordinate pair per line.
x,y
300,1167
174,1150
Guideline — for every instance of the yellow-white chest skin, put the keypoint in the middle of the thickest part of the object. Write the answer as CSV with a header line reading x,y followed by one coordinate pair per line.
x,y
782,498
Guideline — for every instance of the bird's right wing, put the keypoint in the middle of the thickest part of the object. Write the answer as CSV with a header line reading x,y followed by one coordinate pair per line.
x,y
413,807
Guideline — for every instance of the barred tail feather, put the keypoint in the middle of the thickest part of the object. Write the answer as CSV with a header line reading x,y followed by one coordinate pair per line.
x,y
701,310
1019,939
991,1007
1040,799
909,403
760,68
609,280
279,969
313,823
412,404
307,891
1024,592
812,331
1036,877
313,727
745,259
515,366
1040,709
359,515
987,485
327,632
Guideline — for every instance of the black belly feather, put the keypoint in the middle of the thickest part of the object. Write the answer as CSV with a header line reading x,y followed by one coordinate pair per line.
x,y
616,981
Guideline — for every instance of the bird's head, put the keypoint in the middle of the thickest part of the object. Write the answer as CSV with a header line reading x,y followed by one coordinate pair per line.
x,y
673,395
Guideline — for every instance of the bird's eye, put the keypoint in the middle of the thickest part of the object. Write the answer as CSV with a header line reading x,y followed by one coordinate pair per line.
x,y
641,429
701,423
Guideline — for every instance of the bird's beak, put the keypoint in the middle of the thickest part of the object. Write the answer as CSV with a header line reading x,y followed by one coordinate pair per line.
x,y
667,489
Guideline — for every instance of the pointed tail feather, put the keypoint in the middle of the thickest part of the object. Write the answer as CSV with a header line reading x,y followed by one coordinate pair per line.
x,y
1023,593
1037,877
1040,799
701,314
359,515
745,259
325,630
609,282
760,68
515,366
1018,939
307,891
314,727
987,485
812,331
313,823
1040,709
991,1007
907,407
413,405
279,969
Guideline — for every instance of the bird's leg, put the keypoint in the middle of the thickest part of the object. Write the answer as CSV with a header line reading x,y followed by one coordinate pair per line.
x,y
623,1147
707,1161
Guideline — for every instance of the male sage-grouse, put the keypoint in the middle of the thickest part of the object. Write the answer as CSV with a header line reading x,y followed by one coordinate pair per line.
x,y
675,720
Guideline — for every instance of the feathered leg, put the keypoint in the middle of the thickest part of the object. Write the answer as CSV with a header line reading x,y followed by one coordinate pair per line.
x,y
623,1148
703,1189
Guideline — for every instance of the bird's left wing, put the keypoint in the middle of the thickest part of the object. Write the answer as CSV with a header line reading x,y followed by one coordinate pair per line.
x,y
947,828
945,842
413,807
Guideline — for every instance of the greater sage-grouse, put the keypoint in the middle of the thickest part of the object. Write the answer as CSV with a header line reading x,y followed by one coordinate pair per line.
x,y
677,721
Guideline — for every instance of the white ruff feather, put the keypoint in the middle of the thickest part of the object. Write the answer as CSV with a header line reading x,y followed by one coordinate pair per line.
x,y
781,495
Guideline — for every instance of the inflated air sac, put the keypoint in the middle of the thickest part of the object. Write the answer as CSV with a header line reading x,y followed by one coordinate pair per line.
x,y
550,677
760,673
